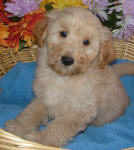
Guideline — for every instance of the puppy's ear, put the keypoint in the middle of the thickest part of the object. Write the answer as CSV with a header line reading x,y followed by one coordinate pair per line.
x,y
107,53
40,31
107,50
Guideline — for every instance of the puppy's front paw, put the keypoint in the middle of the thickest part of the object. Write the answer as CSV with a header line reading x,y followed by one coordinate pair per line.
x,y
14,127
45,139
33,136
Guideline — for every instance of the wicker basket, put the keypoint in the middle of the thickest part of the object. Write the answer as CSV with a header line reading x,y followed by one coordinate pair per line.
x,y
124,49
9,141
8,58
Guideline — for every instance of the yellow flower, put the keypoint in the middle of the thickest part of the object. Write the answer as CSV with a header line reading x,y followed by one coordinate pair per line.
x,y
44,2
63,3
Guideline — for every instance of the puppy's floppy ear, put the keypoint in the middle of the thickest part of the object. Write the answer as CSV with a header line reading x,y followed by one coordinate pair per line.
x,y
40,31
107,53
107,50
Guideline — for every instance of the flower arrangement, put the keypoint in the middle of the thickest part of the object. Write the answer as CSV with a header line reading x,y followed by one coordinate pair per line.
x,y
18,18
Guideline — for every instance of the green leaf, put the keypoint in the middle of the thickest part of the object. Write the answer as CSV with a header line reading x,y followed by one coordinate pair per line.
x,y
111,23
111,0
48,7
112,20
22,44
15,19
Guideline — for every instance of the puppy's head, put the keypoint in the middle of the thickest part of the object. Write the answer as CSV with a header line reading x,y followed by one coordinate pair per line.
x,y
74,38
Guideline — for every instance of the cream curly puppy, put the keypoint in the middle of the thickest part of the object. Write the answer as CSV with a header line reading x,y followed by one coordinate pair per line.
x,y
74,86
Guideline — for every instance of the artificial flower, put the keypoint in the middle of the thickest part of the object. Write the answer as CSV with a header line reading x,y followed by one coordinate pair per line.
x,y
3,14
98,7
23,30
67,3
126,20
21,7
1,5
44,2
3,34
60,4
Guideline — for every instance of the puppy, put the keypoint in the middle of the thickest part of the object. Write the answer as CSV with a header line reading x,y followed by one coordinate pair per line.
x,y
74,86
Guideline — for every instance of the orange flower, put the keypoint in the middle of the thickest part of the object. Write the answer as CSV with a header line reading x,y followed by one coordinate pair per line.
x,y
3,34
23,30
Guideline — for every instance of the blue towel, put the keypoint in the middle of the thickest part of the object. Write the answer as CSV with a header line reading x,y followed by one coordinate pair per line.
x,y
17,92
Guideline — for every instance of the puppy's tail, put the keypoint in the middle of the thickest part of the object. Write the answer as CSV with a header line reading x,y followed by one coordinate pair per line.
x,y
124,69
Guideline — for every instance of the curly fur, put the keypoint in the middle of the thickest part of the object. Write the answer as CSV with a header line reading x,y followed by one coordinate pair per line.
x,y
89,92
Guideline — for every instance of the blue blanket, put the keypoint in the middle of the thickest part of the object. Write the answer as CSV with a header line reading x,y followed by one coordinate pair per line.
x,y
17,92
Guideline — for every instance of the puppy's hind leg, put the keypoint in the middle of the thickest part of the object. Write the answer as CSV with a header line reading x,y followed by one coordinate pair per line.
x,y
29,119
61,130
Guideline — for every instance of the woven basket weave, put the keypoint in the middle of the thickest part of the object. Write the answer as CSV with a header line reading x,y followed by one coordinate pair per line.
x,y
8,57
124,49
9,141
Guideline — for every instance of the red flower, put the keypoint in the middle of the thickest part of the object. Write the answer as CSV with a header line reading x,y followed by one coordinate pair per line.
x,y
3,14
23,30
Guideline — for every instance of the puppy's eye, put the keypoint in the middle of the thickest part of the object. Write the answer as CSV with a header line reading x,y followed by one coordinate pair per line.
x,y
86,42
63,34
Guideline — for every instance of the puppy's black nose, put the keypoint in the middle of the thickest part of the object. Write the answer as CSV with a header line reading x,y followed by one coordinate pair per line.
x,y
67,61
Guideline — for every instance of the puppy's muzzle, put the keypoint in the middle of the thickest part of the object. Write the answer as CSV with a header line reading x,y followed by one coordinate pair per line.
x,y
67,61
